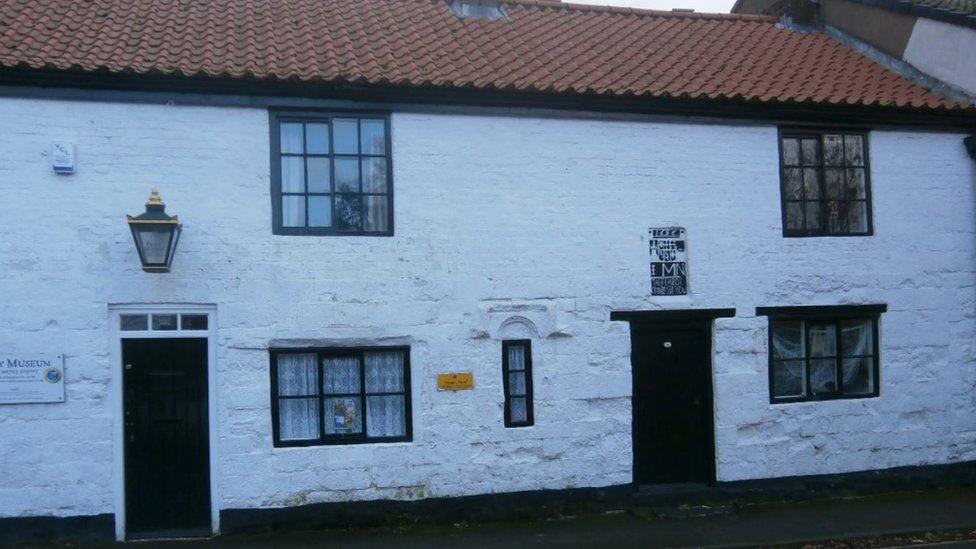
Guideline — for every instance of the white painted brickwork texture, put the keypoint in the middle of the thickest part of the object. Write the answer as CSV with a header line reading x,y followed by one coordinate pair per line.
x,y
493,215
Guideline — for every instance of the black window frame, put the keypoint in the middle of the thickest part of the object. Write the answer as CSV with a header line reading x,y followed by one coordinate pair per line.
x,y
340,439
529,393
819,133
829,315
277,116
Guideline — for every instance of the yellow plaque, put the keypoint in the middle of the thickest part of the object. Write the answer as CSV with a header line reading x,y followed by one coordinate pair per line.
x,y
461,381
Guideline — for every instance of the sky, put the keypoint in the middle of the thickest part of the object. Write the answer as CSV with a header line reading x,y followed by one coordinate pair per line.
x,y
720,6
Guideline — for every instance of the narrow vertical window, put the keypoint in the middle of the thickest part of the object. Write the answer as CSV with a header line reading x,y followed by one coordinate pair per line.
x,y
517,381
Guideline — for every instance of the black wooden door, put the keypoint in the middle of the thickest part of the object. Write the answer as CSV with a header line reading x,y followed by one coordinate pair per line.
x,y
673,438
167,456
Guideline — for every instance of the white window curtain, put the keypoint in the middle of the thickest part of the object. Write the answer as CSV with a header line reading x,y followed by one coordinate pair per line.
x,y
822,343
794,342
385,413
518,410
516,383
298,376
516,357
298,418
823,340
857,337
341,374
788,340
789,370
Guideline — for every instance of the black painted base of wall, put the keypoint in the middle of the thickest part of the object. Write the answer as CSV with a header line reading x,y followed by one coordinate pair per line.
x,y
861,483
814,487
582,501
86,529
520,505
480,508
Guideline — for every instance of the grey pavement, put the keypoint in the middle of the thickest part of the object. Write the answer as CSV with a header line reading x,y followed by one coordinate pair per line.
x,y
781,524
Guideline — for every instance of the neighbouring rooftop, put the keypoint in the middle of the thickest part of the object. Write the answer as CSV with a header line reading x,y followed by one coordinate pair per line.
x,y
959,12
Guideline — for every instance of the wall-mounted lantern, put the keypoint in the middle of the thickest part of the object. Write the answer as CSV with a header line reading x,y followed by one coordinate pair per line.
x,y
155,234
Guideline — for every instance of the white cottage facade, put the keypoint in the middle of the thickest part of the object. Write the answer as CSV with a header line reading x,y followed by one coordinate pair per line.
x,y
512,245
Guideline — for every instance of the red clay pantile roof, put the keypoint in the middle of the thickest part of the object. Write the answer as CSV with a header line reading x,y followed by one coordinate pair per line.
x,y
541,45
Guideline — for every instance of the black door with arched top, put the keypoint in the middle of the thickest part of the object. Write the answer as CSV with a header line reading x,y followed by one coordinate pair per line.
x,y
167,455
672,402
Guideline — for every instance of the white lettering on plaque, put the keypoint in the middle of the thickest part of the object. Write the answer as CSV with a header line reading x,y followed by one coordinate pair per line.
x,y
669,261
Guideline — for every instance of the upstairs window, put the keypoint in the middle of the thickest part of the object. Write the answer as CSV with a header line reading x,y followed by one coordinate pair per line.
x,y
825,179
820,353
331,174
517,382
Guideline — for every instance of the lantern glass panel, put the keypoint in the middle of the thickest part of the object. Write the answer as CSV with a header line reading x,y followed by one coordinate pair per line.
x,y
154,241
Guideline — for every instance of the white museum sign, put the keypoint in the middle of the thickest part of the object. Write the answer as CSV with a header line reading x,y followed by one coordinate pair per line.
x,y
31,377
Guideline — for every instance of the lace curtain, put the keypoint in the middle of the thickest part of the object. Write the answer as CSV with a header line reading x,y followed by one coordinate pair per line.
x,y
385,413
348,407
790,342
822,343
298,375
858,341
516,384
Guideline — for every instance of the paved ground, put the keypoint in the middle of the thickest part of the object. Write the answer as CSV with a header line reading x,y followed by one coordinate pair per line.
x,y
942,519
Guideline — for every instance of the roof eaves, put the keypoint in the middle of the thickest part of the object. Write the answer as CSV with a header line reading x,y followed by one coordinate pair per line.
x,y
941,89
209,90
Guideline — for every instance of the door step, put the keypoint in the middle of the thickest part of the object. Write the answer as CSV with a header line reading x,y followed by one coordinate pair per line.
x,y
169,535
681,501
685,510
671,495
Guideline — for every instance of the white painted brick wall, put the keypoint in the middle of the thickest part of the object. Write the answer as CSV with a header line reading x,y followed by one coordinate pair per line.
x,y
490,212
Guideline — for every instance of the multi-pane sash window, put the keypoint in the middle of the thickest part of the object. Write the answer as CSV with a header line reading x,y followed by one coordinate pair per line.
x,y
331,174
826,187
823,358
517,382
340,396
